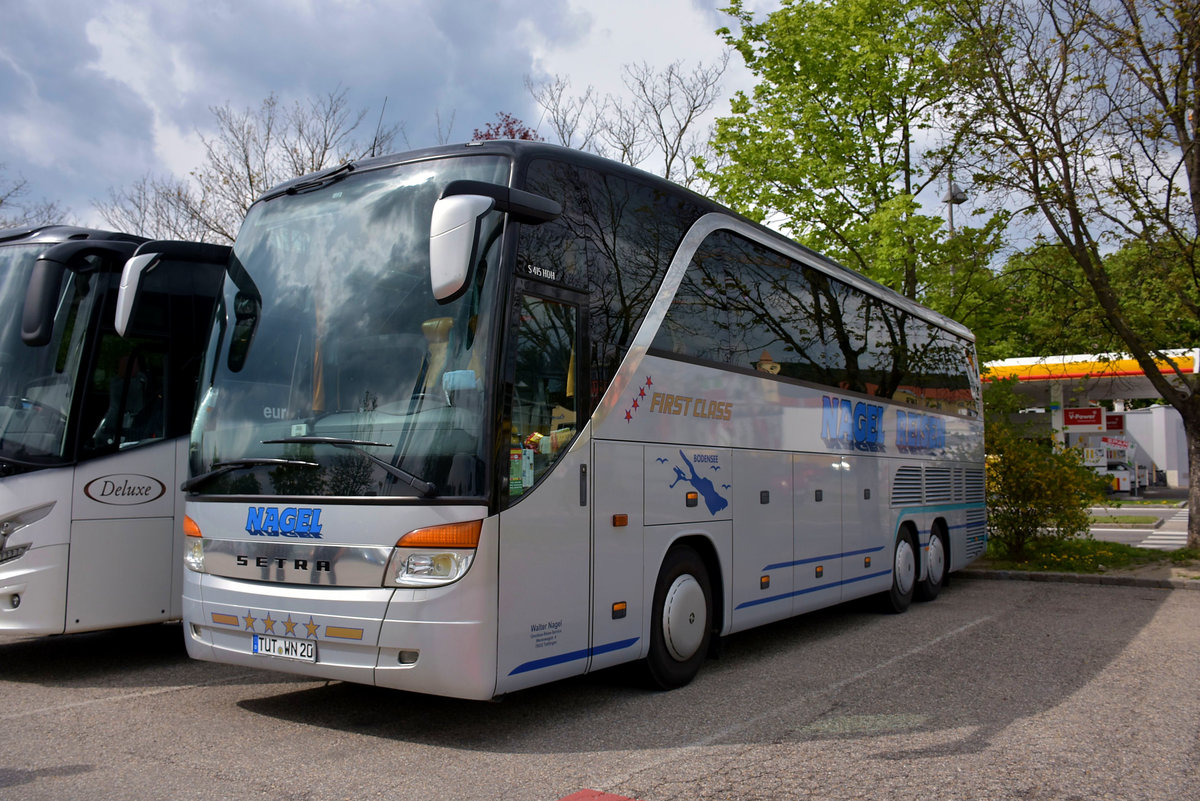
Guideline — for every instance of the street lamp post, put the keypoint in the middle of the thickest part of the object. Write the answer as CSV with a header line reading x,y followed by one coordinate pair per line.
x,y
954,197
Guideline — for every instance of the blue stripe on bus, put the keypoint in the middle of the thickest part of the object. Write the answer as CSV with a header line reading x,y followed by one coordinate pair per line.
x,y
942,507
785,596
778,565
923,535
573,656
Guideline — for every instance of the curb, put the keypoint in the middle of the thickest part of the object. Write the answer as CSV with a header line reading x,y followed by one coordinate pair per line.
x,y
1081,578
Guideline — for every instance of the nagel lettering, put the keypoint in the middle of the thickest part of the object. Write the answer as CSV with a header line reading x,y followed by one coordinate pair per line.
x,y
852,425
291,521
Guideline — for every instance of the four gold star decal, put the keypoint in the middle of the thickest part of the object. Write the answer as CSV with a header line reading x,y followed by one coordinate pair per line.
x,y
289,626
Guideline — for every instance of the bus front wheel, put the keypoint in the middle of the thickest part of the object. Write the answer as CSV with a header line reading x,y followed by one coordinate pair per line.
x,y
904,573
680,625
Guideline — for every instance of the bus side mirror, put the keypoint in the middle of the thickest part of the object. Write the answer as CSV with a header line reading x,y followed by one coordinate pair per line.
x,y
178,255
45,282
41,300
246,308
131,278
454,242
454,230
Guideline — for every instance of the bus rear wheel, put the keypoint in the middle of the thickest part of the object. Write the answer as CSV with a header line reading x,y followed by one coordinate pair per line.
x,y
935,566
680,624
904,573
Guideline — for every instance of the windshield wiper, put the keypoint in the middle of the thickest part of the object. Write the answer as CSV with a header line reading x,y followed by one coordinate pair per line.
x,y
419,484
220,468
317,181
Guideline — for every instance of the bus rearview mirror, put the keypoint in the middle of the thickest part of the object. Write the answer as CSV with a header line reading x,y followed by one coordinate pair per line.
x,y
81,257
454,242
41,299
131,277
246,308
457,222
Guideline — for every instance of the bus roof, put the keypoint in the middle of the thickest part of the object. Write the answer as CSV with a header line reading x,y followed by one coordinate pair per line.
x,y
55,234
523,151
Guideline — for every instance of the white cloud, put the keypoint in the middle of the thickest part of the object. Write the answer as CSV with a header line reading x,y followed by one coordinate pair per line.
x,y
629,32
129,52
96,93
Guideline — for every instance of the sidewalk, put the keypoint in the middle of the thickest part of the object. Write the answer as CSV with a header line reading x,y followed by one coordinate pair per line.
x,y
1171,530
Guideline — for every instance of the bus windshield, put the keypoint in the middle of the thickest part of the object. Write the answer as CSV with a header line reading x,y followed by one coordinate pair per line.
x,y
36,383
331,369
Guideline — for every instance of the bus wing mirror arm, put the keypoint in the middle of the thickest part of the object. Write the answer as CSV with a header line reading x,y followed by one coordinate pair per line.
x,y
524,207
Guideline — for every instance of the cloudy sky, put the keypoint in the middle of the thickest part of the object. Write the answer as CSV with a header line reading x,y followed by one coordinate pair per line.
x,y
95,94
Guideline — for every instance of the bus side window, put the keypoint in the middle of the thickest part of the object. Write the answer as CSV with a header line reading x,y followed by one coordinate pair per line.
x,y
544,398
126,392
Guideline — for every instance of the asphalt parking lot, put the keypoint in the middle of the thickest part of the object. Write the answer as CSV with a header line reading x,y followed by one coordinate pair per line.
x,y
997,690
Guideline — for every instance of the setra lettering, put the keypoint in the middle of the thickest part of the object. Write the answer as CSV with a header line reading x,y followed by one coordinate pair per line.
x,y
317,565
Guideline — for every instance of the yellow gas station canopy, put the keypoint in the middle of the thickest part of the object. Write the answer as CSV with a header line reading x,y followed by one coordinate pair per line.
x,y
1098,376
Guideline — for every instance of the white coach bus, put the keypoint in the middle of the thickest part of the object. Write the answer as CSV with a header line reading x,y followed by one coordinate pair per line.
x,y
93,426
481,417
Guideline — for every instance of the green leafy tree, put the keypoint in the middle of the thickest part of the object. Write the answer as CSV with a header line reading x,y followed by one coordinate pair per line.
x,y
1047,306
1084,114
1036,489
839,137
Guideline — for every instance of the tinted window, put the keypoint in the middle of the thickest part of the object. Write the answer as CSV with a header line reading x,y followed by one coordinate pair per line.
x,y
748,307
613,241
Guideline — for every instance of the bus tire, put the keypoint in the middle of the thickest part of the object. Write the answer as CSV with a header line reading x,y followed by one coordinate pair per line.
x,y
904,573
935,566
680,623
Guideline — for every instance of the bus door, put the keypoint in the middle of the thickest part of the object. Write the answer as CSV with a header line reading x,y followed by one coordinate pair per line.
x,y
817,571
763,537
866,542
618,572
545,537
125,561
123,558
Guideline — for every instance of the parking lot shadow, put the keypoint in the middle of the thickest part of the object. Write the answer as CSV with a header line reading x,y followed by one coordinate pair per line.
x,y
956,670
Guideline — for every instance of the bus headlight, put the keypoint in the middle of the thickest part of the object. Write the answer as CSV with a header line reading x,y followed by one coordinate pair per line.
x,y
432,557
193,547
193,556
426,568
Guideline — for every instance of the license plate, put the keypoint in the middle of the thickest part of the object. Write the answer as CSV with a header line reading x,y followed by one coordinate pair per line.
x,y
303,650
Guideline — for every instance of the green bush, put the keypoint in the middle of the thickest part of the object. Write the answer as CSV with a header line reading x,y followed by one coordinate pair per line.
x,y
1036,490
